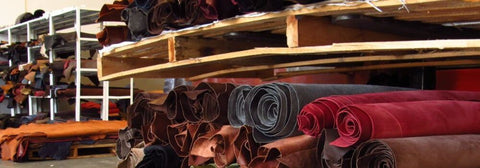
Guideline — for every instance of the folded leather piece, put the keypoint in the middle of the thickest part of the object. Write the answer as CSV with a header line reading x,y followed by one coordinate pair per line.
x,y
216,145
244,147
134,157
182,136
171,104
459,151
157,156
111,12
159,127
135,16
272,108
320,113
113,35
332,156
269,155
208,102
236,105
127,139
361,122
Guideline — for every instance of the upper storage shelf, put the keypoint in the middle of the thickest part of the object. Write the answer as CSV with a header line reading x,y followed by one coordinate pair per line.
x,y
230,48
62,19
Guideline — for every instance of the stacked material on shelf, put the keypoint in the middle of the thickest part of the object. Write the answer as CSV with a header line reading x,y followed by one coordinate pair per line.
x,y
14,141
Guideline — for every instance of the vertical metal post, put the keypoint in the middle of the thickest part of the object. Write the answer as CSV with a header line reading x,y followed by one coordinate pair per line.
x,y
29,60
78,63
9,32
105,100
131,90
51,31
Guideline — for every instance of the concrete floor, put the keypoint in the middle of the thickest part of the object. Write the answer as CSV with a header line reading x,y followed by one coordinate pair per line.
x,y
102,162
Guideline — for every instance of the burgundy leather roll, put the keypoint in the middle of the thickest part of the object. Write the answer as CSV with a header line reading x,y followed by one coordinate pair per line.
x,y
272,108
361,122
182,136
111,12
245,148
171,104
208,102
302,148
113,35
194,14
159,127
216,145
163,16
459,151
320,113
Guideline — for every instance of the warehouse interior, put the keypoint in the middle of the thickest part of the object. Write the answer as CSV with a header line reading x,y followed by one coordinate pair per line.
x,y
240,83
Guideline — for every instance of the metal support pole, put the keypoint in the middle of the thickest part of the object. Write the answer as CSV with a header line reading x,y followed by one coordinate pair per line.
x,y
78,63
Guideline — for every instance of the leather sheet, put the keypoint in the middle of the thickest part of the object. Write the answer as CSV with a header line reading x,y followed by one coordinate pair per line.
x,y
332,156
113,35
272,109
361,122
320,113
288,152
135,16
171,104
460,151
165,15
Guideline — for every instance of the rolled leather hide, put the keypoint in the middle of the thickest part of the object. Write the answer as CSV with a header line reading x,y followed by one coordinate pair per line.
x,y
360,122
236,105
332,156
216,145
296,151
245,148
171,104
113,35
272,108
111,12
459,151
208,102
165,15
320,113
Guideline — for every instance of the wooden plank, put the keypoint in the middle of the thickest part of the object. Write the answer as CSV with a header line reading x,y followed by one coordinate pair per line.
x,y
235,24
312,31
218,62
430,17
343,60
432,7
111,65
376,67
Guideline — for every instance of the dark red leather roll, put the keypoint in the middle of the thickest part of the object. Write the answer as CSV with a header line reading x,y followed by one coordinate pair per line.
x,y
111,12
459,151
320,113
360,122
165,15
296,151
113,35
171,104
182,136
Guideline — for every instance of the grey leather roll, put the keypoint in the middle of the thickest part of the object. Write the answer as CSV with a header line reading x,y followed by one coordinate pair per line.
x,y
236,105
272,108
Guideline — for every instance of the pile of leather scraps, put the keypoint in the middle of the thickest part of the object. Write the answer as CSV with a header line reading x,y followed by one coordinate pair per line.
x,y
59,40
29,16
146,18
15,142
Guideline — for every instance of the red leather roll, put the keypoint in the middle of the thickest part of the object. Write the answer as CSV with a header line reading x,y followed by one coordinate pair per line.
x,y
111,12
320,113
113,34
360,122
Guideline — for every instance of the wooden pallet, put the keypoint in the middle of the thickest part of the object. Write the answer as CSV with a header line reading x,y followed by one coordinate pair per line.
x,y
80,151
182,53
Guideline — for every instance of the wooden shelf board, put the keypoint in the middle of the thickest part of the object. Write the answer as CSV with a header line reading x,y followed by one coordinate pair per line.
x,y
197,66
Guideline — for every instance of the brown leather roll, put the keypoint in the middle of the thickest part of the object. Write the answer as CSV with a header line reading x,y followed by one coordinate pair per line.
x,y
332,156
208,102
277,154
245,148
459,151
113,35
216,145
165,15
182,136
159,127
171,104
111,12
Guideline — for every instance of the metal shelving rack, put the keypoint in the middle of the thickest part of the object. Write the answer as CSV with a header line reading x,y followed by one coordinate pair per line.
x,y
49,23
